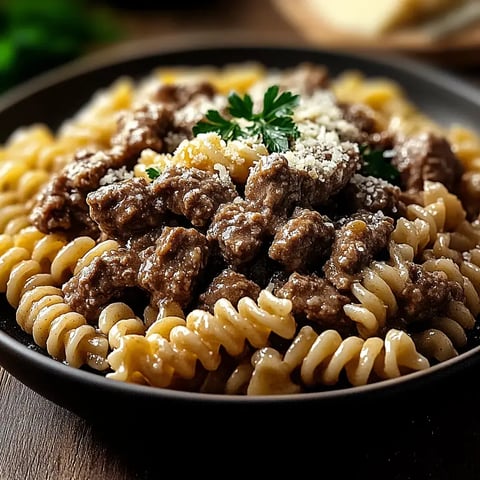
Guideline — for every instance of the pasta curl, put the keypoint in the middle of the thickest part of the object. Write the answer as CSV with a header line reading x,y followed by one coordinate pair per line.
x,y
174,345
64,334
117,320
377,292
322,358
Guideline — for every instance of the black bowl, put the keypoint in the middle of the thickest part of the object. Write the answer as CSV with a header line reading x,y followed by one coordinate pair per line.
x,y
58,94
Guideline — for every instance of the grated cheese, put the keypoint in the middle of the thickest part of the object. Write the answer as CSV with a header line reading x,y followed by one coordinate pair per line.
x,y
324,142
116,175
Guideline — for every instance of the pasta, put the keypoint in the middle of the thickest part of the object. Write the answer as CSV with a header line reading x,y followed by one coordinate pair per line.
x,y
322,358
173,345
64,333
244,231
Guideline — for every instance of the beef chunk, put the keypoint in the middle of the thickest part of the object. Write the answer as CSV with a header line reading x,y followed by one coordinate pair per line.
x,y
426,294
355,246
171,269
105,279
426,156
239,231
303,240
177,96
317,300
61,205
194,193
144,127
371,194
124,209
274,185
362,116
324,171
305,78
230,285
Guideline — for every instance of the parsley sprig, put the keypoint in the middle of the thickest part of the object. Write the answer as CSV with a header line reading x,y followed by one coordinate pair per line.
x,y
274,124
153,172
377,163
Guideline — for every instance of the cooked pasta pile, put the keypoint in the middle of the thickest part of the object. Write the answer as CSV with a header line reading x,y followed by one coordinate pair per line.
x,y
160,238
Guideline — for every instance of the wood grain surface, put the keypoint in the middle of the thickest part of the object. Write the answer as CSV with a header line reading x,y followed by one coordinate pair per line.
x,y
41,441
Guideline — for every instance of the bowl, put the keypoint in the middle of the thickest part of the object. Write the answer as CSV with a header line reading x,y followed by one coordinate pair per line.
x,y
57,95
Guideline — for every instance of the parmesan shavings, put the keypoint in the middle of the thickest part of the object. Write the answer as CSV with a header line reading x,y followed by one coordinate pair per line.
x,y
324,142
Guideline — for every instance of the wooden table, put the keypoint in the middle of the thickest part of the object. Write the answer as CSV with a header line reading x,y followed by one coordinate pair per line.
x,y
40,440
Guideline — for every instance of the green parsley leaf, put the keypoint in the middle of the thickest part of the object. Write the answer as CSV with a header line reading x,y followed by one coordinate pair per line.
x,y
273,124
240,107
277,133
153,172
274,107
216,123
377,163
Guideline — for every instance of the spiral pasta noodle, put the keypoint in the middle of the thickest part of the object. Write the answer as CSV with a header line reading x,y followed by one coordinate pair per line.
x,y
31,254
29,275
64,334
117,320
445,335
174,345
376,293
322,358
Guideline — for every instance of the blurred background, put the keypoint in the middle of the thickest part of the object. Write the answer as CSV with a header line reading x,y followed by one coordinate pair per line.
x,y
37,35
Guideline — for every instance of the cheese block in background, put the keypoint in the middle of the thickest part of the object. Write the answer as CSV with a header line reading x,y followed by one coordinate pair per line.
x,y
375,17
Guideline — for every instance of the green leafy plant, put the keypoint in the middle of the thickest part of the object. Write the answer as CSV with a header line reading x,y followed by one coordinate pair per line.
x,y
377,163
153,172
274,124
39,35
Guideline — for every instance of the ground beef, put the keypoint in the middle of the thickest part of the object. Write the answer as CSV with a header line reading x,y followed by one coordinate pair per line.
x,y
61,205
426,294
274,185
177,96
105,279
356,243
426,156
239,231
318,301
230,285
144,127
194,193
305,78
362,117
124,209
371,194
302,241
172,268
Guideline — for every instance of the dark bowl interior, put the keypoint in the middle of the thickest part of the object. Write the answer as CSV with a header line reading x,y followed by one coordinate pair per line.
x,y
57,95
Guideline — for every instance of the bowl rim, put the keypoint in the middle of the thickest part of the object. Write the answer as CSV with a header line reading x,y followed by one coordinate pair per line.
x,y
137,50
237,40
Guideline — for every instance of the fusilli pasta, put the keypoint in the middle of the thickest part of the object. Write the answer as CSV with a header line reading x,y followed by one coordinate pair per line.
x,y
174,345
322,358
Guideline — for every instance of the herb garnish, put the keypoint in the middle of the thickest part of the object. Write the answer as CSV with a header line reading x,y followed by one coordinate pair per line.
x,y
377,163
274,124
152,172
